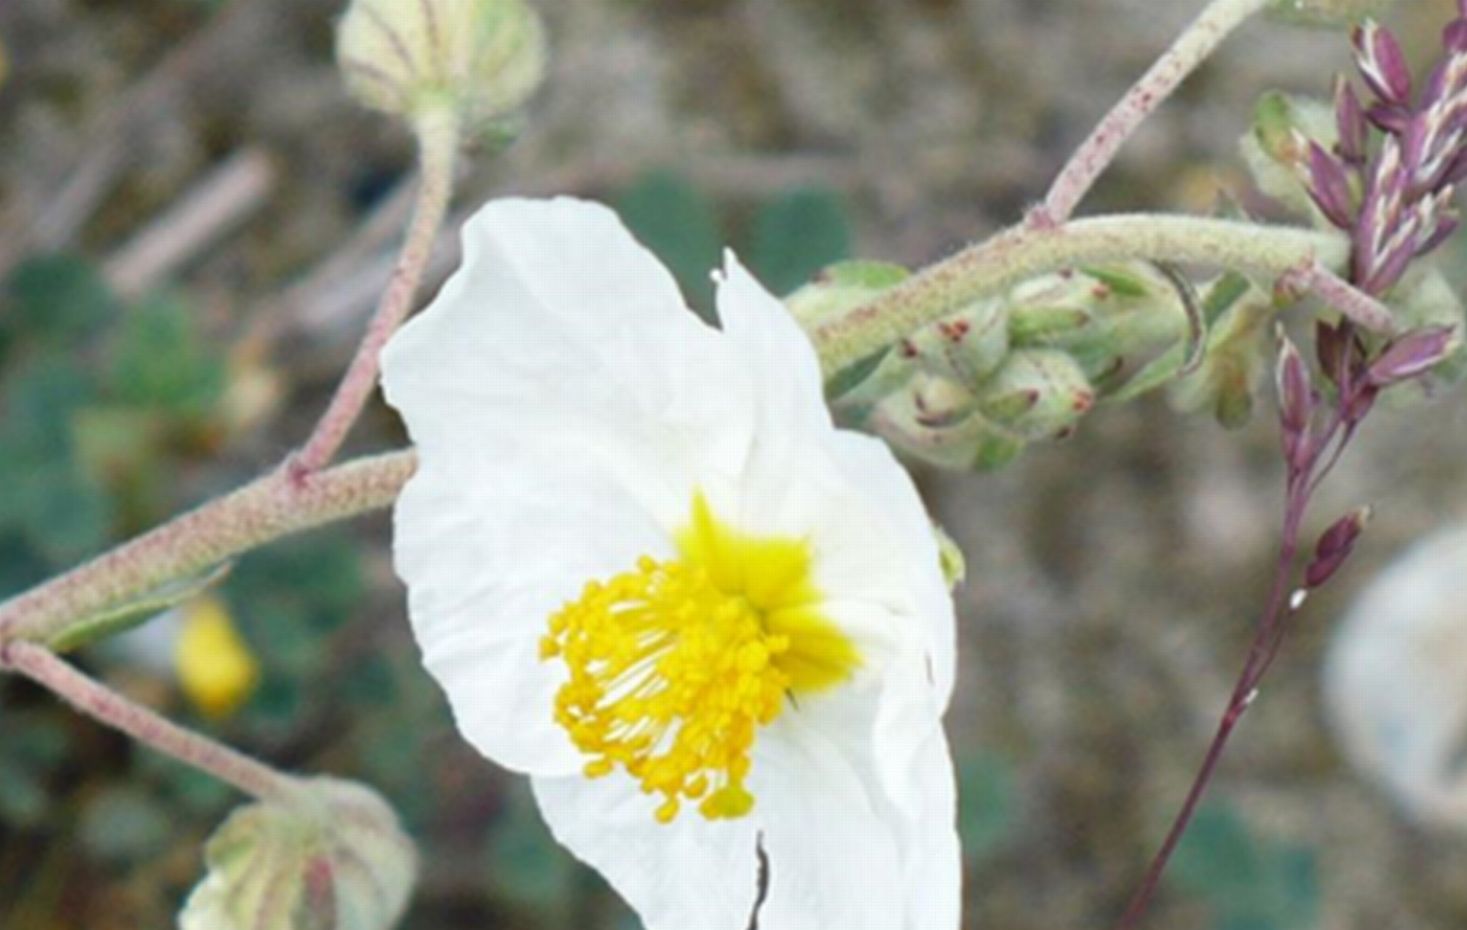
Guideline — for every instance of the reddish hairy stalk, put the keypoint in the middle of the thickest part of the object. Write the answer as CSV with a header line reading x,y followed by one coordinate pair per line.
x,y
95,700
438,141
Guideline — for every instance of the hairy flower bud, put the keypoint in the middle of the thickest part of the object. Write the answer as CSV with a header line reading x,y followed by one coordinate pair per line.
x,y
482,58
1038,393
1107,319
333,858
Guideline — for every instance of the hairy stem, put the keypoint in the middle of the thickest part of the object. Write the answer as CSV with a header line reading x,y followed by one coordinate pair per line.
x,y
1096,153
92,698
1345,297
438,132
276,505
1023,252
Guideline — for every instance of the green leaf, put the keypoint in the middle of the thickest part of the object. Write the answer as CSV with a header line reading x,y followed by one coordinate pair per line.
x,y
796,236
59,299
126,616
678,223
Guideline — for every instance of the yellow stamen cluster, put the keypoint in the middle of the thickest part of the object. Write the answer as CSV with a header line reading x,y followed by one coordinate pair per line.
x,y
670,679
675,665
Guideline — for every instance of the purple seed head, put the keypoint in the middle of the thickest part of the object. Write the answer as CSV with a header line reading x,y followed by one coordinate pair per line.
x,y
1353,129
1382,63
1329,187
1412,355
1335,545
1295,393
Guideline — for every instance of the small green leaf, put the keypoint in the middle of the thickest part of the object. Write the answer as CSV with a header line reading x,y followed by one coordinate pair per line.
x,y
796,236
134,613
678,223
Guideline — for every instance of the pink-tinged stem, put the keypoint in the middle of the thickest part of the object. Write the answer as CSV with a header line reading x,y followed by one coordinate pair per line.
x,y
1303,480
95,700
438,133
1093,156
269,508
1357,305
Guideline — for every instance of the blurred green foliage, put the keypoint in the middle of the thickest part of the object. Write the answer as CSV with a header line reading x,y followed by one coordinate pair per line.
x,y
1248,881
988,811
786,241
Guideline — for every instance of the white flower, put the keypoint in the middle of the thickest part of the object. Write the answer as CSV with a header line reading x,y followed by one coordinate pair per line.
x,y
1393,682
651,574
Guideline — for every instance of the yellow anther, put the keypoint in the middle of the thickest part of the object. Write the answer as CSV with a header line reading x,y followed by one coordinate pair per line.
x,y
676,664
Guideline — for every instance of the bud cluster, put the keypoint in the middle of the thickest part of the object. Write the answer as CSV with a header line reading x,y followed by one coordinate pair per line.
x,y
1394,202
972,390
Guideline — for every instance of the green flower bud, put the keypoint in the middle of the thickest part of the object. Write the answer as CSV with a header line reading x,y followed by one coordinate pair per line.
x,y
1037,394
1327,12
940,401
1107,319
333,858
842,287
483,58
965,347
972,442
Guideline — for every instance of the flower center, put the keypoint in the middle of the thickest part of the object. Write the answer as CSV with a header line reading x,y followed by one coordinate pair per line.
x,y
676,664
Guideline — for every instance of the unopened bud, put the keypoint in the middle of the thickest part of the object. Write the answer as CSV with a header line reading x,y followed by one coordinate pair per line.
x,y
1038,394
1429,300
481,58
1335,545
967,346
1106,318
1413,355
333,858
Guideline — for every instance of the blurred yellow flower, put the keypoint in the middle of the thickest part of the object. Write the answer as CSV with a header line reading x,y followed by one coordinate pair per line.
x,y
215,667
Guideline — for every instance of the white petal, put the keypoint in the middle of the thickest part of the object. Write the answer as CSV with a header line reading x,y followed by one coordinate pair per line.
x,y
791,393
691,874
564,405
840,853
889,488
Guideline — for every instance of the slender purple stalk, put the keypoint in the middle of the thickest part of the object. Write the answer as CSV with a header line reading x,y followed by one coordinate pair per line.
x,y
1395,205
